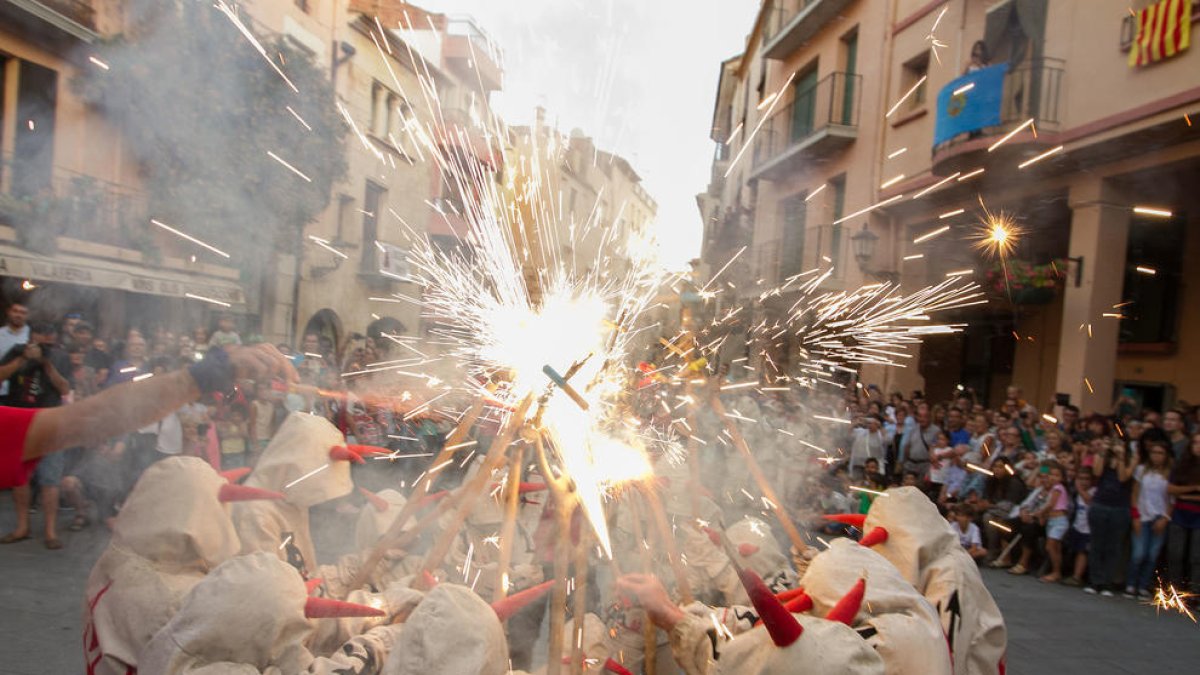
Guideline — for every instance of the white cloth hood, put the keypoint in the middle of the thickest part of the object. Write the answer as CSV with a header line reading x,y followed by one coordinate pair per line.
x,y
452,631
767,559
174,519
250,610
917,533
301,448
373,523
826,647
907,632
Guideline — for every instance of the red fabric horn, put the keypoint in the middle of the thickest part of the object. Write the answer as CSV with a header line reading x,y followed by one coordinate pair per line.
x,y
877,535
852,519
531,487
517,601
381,505
847,608
429,580
781,625
232,492
789,594
313,584
368,449
432,497
234,475
612,666
345,454
799,604
328,608
747,549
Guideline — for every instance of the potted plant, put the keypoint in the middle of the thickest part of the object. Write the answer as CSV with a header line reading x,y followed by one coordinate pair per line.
x,y
1026,283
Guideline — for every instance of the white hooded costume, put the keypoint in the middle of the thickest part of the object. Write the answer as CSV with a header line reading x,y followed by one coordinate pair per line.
x,y
171,531
248,617
300,448
451,631
923,547
898,622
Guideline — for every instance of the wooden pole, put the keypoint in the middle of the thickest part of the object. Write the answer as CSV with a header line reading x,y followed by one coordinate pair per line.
x,y
565,503
396,530
475,487
776,505
649,630
693,457
664,531
580,610
508,529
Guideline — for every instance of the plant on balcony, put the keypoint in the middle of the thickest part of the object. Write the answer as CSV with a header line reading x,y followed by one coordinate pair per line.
x,y
38,220
1027,283
200,108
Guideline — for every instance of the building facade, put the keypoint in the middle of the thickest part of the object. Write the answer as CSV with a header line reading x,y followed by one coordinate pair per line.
x,y
1095,300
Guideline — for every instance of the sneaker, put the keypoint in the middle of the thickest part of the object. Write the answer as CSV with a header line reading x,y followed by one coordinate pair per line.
x,y
1106,593
1090,590
1130,593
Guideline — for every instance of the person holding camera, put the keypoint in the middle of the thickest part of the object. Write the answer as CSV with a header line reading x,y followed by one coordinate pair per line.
x,y
38,376
1108,515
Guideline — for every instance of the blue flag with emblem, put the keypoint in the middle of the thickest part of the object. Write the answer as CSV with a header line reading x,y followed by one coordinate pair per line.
x,y
974,107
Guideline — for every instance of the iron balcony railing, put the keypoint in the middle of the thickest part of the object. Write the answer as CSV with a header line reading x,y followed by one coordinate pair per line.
x,y
817,247
781,13
832,102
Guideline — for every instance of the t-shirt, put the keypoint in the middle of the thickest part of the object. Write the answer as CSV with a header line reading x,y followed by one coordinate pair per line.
x,y
1058,498
1152,493
1110,491
9,339
1080,523
224,339
14,426
30,386
970,538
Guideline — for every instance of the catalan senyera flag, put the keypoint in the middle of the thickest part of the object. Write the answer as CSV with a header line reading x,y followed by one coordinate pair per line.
x,y
1163,30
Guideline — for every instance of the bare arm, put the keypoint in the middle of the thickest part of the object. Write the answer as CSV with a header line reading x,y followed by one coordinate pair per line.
x,y
60,383
7,370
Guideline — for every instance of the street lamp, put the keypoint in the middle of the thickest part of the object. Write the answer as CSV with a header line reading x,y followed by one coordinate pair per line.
x,y
864,251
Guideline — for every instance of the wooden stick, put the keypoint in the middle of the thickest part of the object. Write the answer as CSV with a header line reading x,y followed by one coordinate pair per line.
x,y
508,529
475,487
693,457
396,530
649,630
565,503
756,471
580,610
664,531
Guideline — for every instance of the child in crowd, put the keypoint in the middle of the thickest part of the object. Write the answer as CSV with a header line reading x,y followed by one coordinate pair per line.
x,y
962,516
1054,514
1080,535
940,456
232,432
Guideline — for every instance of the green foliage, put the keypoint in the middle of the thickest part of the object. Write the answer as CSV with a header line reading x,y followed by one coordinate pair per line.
x,y
200,108
1023,275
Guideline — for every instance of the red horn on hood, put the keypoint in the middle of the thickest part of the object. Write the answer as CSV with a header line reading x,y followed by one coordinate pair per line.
x,y
432,497
747,549
234,475
429,580
877,535
368,449
381,505
852,519
847,608
781,625
343,453
517,601
328,608
232,492
531,487
784,596
612,666
713,536
313,584
799,604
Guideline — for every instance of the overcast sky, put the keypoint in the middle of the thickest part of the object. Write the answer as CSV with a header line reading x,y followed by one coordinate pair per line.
x,y
639,76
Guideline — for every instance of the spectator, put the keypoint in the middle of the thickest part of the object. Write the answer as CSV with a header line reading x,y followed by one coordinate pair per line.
x,y
134,363
956,427
1108,515
1150,517
96,484
14,332
1175,429
225,334
1079,537
915,452
37,376
967,531
1069,424
1055,517
867,442
233,435
1183,538
1010,446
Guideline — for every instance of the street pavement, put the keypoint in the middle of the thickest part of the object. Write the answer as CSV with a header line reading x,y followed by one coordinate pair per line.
x,y
1052,629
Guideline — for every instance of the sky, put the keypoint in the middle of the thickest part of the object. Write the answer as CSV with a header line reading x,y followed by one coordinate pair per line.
x,y
638,76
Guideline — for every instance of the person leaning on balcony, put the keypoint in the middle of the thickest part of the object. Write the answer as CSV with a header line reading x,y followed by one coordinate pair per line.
x,y
28,434
979,57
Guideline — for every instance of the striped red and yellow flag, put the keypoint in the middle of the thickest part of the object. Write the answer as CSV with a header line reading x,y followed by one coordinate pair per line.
x,y
1163,30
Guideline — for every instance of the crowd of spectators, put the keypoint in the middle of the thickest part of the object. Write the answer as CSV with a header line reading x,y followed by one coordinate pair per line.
x,y
1107,502
49,363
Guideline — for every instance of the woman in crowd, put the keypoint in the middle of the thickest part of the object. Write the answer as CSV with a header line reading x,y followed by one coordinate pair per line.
x,y
1108,515
1150,520
1183,538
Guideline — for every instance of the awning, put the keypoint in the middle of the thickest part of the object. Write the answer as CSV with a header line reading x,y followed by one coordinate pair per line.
x,y
71,269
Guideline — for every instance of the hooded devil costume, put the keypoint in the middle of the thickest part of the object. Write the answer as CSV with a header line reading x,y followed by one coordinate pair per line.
x,y
172,530
252,615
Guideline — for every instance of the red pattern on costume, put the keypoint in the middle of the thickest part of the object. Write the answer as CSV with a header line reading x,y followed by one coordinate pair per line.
x,y
91,640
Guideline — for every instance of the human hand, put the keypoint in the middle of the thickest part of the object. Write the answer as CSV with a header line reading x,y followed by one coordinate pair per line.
x,y
1137,526
652,596
261,361
1160,524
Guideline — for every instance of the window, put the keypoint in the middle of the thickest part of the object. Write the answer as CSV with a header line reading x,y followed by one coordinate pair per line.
x,y
387,108
795,223
1154,309
344,213
838,187
33,140
804,103
911,73
373,204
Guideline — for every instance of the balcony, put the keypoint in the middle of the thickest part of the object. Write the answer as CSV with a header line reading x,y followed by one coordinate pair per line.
x,y
470,51
820,121
1030,92
50,21
794,22
818,248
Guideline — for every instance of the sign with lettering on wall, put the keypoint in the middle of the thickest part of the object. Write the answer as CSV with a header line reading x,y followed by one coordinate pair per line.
x,y
105,277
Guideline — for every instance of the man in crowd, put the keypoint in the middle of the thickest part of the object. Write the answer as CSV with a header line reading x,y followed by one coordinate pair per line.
x,y
14,332
37,374
914,452
1176,431
134,363
956,427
